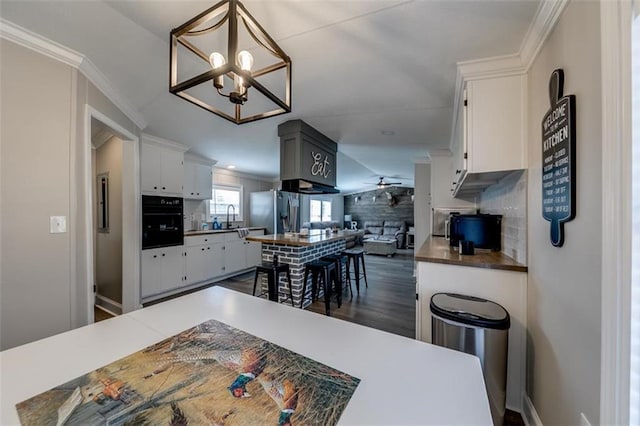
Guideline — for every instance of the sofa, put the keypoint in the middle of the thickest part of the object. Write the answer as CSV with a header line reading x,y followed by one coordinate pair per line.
x,y
387,229
320,225
351,241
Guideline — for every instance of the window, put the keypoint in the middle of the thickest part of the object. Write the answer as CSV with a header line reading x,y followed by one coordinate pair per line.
x,y
222,196
320,211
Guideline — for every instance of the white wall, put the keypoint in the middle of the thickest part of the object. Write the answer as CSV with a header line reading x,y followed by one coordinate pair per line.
x,y
43,282
36,106
221,176
109,244
564,286
422,204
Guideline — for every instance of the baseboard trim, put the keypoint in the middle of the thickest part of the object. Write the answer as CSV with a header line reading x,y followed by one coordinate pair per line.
x,y
529,414
109,306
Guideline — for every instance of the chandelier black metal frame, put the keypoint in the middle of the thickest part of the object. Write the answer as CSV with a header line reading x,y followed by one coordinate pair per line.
x,y
238,67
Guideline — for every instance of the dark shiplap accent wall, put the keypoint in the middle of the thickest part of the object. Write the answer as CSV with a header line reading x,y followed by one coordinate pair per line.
x,y
366,209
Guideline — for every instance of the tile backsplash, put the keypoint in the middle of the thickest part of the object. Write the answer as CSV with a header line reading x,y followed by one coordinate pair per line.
x,y
194,212
509,198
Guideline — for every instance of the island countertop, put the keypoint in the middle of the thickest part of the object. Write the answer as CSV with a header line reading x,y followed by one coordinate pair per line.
x,y
314,237
429,398
437,250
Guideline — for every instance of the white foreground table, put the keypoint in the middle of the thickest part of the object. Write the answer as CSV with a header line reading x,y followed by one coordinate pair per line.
x,y
404,381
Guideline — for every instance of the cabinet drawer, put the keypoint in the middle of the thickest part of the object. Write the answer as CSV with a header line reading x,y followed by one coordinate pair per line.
x,y
199,240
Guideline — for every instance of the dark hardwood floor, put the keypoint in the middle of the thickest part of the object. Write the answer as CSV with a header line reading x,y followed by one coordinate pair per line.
x,y
100,315
388,304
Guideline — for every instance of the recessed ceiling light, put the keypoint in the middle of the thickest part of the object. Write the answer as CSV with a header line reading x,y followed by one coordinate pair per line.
x,y
231,166
388,132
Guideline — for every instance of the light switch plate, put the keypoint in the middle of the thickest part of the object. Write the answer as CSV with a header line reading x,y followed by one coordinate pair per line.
x,y
57,224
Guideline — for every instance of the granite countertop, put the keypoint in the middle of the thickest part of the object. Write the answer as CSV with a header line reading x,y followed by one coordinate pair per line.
x,y
219,231
314,237
437,250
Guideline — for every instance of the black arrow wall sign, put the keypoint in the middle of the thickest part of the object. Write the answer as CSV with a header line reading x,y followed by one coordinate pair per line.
x,y
558,159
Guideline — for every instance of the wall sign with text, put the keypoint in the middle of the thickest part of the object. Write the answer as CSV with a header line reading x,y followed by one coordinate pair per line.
x,y
559,159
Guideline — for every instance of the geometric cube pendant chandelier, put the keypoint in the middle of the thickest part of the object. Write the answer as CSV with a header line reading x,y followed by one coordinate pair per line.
x,y
224,61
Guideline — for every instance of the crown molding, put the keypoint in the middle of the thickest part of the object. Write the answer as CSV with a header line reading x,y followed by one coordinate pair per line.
x,y
155,140
193,158
37,43
95,76
60,53
519,63
544,21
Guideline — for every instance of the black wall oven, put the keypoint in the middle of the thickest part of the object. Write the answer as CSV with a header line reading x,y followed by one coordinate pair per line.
x,y
162,224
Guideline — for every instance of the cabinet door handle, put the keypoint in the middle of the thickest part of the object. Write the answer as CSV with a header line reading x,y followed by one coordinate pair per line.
x,y
155,255
162,254
164,187
202,249
155,187
458,172
205,240
208,248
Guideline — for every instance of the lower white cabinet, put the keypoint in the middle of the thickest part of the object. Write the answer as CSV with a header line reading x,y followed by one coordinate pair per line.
x,y
162,270
203,258
235,257
508,288
254,253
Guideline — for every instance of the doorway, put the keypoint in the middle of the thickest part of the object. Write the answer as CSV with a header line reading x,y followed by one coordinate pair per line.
x,y
112,218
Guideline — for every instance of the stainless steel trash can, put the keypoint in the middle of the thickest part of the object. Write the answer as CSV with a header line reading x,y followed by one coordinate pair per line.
x,y
478,327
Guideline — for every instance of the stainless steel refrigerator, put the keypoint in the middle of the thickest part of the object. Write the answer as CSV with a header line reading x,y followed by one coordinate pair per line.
x,y
278,211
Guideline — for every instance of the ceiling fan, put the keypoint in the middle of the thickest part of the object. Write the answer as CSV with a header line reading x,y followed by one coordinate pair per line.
x,y
383,184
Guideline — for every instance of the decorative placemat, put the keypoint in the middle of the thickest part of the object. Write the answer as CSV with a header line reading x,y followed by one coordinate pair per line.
x,y
209,374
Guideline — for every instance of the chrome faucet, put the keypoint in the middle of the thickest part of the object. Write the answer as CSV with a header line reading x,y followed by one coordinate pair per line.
x,y
234,215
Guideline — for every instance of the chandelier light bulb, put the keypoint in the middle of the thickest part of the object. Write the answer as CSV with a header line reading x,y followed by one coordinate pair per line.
x,y
246,60
216,60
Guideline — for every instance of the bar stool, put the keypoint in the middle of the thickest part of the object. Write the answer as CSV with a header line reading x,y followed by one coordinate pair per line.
x,y
340,260
326,272
273,271
356,255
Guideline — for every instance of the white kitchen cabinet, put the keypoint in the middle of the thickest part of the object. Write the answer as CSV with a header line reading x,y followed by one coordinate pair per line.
x,y
197,180
204,260
490,132
235,256
161,168
162,270
508,288
254,253
196,263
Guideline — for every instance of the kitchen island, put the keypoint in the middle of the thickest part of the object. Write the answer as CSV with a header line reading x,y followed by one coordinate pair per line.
x,y
486,274
297,250
445,387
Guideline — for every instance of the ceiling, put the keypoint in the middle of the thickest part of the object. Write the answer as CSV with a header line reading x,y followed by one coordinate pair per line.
x,y
376,76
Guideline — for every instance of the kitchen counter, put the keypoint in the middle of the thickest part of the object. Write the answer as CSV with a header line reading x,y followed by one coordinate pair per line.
x,y
444,386
219,231
437,250
314,238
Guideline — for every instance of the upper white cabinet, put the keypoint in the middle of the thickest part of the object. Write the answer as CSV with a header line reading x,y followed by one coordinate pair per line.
x,y
161,167
198,180
490,128
495,124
